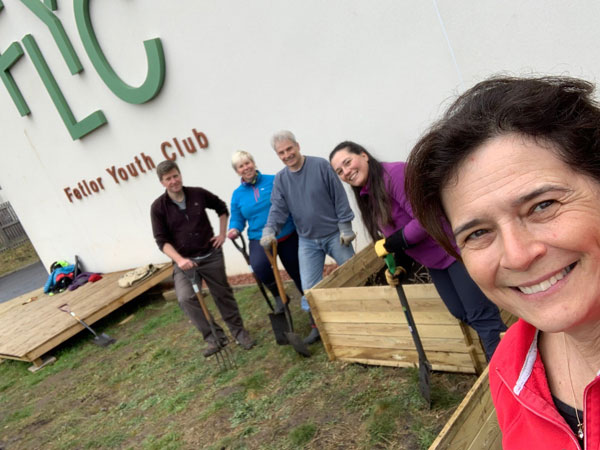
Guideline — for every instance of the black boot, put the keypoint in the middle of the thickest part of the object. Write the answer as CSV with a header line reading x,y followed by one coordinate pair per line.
x,y
314,334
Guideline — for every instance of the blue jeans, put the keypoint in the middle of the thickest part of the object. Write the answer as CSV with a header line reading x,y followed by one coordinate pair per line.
x,y
311,255
466,302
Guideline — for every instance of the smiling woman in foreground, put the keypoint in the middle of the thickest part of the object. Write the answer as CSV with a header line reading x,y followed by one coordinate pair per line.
x,y
514,167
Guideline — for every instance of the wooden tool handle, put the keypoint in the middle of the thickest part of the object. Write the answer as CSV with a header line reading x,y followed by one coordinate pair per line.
x,y
273,260
200,298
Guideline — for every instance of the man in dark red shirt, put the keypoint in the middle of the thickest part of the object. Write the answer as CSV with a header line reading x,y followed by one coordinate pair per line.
x,y
183,232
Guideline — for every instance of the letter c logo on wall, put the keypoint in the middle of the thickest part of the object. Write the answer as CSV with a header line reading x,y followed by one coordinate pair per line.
x,y
155,76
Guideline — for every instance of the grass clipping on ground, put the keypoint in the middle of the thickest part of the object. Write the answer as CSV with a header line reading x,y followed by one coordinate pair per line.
x,y
154,390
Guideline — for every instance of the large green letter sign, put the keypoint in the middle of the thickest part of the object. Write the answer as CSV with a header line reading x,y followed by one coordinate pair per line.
x,y
76,129
58,33
155,76
149,89
12,54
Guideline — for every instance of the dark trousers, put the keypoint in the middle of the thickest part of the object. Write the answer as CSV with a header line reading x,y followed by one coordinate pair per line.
x,y
288,253
466,302
212,270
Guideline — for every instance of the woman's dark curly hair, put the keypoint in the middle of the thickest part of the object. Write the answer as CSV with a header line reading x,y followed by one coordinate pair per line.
x,y
374,207
558,112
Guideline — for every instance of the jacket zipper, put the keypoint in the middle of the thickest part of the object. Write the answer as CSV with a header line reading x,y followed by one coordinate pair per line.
x,y
564,427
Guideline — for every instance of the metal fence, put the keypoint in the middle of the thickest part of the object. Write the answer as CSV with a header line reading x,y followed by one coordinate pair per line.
x,y
11,230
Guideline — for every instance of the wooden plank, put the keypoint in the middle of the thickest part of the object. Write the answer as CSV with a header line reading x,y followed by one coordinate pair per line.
x,y
399,343
392,363
320,326
40,363
392,316
29,330
489,437
409,357
413,291
470,342
376,304
379,299
355,272
473,415
16,302
450,331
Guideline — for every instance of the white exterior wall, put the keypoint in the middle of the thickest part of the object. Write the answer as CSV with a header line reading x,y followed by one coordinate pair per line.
x,y
374,72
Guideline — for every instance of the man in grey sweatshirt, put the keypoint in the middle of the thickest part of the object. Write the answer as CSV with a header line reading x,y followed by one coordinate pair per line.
x,y
309,190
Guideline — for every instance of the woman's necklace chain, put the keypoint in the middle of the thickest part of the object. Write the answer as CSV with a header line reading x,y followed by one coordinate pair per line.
x,y
580,433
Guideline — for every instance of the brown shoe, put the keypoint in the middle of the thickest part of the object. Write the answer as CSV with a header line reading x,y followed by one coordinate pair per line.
x,y
245,340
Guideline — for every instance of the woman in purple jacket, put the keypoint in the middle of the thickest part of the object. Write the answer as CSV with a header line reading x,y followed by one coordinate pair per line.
x,y
385,209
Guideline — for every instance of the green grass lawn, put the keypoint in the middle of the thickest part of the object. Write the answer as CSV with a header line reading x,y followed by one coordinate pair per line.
x,y
152,389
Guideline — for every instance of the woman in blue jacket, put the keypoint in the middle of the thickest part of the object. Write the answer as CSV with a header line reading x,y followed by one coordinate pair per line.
x,y
250,203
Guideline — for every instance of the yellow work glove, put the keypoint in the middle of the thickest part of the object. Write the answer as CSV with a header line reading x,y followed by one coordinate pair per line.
x,y
394,280
380,249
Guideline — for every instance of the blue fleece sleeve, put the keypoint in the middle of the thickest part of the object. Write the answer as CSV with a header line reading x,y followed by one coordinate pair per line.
x,y
237,220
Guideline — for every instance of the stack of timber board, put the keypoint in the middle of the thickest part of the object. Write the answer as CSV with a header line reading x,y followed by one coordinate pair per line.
x,y
31,328
367,324
474,425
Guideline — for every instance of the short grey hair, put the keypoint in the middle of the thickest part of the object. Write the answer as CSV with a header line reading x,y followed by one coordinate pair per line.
x,y
239,157
283,135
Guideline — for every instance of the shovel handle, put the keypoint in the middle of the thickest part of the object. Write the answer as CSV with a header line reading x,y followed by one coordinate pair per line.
x,y
391,267
243,250
411,324
65,308
272,257
200,298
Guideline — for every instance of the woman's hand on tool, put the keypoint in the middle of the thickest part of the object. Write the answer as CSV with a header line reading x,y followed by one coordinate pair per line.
x,y
233,233
394,279
380,248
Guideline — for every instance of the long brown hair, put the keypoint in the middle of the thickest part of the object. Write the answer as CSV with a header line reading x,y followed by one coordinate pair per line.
x,y
374,207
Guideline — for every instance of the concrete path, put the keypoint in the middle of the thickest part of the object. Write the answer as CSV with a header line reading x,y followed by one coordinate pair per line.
x,y
22,281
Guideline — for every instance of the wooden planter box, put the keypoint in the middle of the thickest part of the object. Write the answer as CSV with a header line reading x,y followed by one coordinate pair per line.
x,y
474,425
367,325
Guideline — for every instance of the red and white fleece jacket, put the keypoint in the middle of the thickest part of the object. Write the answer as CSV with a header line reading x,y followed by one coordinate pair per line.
x,y
526,413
